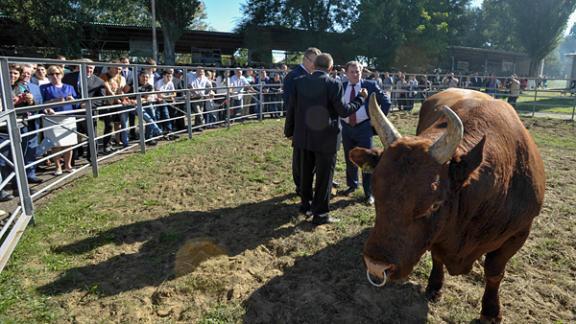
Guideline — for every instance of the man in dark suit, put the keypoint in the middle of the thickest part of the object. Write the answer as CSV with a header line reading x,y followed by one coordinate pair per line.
x,y
305,68
312,122
356,128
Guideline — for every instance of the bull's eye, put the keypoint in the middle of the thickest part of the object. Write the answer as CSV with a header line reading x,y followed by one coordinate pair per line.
x,y
435,206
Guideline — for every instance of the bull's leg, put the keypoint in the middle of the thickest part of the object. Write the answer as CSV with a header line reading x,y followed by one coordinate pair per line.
x,y
494,267
435,281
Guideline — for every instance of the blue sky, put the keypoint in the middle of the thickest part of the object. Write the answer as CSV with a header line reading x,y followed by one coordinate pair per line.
x,y
223,14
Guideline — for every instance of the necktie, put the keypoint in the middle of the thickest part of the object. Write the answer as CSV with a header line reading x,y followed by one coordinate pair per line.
x,y
352,118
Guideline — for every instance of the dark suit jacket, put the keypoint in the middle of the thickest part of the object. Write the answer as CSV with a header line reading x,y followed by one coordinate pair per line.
x,y
288,86
313,110
381,96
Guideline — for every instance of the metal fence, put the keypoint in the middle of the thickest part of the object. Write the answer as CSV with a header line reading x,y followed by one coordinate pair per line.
x,y
550,98
192,109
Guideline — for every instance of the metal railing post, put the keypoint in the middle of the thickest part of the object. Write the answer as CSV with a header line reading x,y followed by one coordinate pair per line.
x,y
535,99
188,105
228,101
573,109
88,113
141,126
15,141
261,112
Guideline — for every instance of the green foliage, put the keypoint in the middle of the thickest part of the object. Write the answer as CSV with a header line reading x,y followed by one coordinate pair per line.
x,y
538,26
408,32
315,15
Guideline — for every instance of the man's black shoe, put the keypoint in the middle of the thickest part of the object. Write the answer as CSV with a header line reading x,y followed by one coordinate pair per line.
x,y
324,219
152,142
335,184
35,180
348,191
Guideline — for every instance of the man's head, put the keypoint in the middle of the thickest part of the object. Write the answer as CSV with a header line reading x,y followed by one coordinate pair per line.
x,y
89,67
124,60
143,77
353,71
309,58
40,72
200,73
26,73
167,75
323,62
238,72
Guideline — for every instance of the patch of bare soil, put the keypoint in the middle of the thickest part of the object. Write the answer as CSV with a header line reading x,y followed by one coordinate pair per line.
x,y
214,235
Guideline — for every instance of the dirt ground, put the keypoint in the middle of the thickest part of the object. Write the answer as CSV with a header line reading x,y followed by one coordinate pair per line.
x,y
213,236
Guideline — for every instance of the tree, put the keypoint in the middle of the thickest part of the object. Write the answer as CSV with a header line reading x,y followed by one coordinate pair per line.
x,y
408,32
175,17
538,26
315,15
59,29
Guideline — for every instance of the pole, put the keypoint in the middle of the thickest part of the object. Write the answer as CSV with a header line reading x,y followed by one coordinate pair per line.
x,y
92,148
188,105
261,98
228,100
154,41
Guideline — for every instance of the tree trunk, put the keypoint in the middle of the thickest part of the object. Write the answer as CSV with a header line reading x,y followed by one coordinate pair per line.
x,y
535,64
169,48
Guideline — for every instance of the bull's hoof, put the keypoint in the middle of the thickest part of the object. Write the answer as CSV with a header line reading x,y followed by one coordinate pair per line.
x,y
433,295
484,319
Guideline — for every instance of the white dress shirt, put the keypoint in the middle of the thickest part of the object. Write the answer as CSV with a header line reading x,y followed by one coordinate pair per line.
x,y
361,114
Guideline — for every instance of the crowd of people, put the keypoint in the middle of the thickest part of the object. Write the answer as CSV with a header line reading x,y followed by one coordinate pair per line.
x,y
61,126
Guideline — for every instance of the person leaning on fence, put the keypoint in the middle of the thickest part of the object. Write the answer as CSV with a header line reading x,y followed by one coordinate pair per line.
x,y
96,88
514,90
148,100
179,84
275,95
202,87
209,105
113,73
32,124
238,86
166,99
62,132
20,98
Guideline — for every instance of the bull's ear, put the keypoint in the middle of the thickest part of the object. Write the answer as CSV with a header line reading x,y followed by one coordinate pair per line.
x,y
463,165
367,159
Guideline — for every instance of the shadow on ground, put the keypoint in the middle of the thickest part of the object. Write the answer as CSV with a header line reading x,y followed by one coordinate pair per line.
x,y
231,230
331,287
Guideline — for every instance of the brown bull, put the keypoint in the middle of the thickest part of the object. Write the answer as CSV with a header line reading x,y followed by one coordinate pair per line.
x,y
468,184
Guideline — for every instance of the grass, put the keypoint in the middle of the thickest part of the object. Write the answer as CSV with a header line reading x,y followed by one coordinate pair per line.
x,y
105,249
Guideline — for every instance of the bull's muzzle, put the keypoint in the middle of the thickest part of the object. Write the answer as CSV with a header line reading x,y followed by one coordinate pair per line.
x,y
378,270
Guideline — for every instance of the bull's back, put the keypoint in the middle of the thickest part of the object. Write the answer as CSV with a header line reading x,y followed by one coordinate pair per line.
x,y
430,110
507,191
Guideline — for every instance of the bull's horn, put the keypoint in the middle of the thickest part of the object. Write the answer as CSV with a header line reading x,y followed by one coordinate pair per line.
x,y
443,149
384,128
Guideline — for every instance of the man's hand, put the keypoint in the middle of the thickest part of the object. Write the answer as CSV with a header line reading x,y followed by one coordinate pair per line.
x,y
364,93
